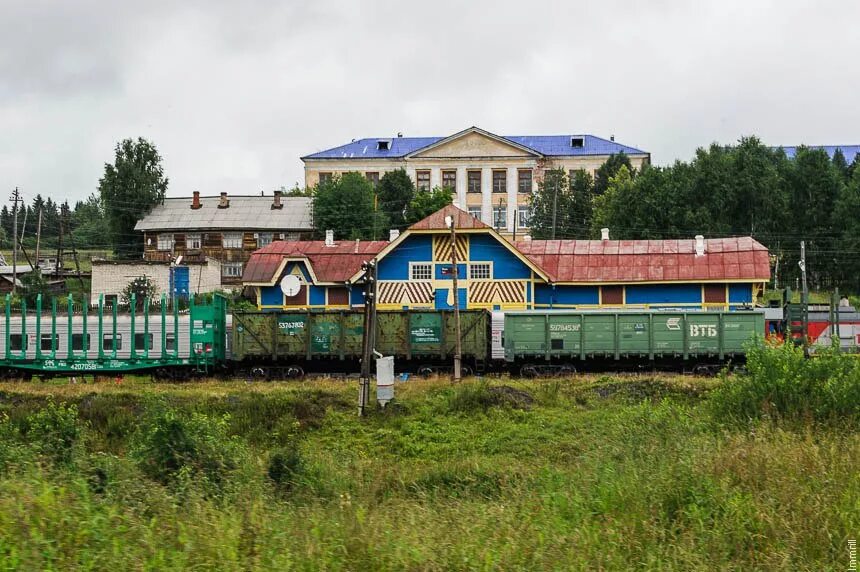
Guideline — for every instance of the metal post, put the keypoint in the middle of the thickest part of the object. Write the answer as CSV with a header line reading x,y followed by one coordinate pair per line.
x,y
38,235
38,327
554,205
456,292
15,196
369,334
804,299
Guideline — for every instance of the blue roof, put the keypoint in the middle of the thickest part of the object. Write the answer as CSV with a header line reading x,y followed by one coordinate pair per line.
x,y
850,151
548,145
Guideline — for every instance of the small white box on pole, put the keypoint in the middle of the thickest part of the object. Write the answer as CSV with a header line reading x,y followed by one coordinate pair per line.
x,y
384,380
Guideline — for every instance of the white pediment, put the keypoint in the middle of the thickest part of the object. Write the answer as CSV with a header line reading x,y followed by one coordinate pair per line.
x,y
473,142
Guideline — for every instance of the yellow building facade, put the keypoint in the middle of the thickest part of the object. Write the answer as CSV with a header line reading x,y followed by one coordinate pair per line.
x,y
492,176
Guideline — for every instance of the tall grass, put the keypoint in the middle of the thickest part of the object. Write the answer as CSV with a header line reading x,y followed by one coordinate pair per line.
x,y
586,477
780,383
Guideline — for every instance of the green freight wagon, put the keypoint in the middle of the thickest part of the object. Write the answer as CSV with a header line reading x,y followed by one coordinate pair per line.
x,y
540,341
285,343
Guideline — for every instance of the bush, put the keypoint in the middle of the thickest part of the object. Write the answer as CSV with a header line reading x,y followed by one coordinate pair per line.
x,y
170,446
781,383
285,466
54,431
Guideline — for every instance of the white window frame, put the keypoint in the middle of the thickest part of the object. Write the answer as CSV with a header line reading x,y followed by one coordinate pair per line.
x,y
477,214
417,271
193,241
228,269
165,241
231,240
261,239
481,266
520,210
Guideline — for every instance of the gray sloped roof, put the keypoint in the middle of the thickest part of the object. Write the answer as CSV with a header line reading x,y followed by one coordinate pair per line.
x,y
244,213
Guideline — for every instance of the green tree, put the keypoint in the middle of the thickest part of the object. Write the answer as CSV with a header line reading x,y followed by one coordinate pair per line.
x,y
609,169
88,223
425,203
5,223
552,207
142,287
35,284
841,165
848,213
128,190
345,205
297,191
394,193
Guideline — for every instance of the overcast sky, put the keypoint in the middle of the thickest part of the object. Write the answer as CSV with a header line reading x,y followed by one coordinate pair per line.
x,y
233,93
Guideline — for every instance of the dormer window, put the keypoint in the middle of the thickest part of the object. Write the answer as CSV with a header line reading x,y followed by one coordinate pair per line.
x,y
383,145
577,142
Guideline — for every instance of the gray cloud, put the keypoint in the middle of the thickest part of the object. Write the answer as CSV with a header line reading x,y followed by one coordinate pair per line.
x,y
232,94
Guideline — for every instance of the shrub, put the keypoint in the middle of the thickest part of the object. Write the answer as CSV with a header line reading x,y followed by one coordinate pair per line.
x,y
54,431
285,466
474,397
171,446
781,383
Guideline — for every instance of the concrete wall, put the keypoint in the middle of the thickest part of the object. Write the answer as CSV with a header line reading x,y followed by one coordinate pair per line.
x,y
110,278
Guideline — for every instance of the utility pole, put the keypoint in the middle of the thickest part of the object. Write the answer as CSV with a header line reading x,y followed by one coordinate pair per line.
x,y
38,235
368,340
804,299
16,195
452,222
554,205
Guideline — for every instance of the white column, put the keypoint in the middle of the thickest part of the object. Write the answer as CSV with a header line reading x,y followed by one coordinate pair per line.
x,y
462,185
487,195
435,177
410,170
513,184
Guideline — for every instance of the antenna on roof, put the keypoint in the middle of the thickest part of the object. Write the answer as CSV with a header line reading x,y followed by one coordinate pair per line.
x,y
400,134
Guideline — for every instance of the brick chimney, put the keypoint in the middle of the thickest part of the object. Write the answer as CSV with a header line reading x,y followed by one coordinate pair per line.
x,y
276,202
195,201
225,202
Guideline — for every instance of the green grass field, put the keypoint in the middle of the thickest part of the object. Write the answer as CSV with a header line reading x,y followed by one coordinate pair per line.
x,y
591,473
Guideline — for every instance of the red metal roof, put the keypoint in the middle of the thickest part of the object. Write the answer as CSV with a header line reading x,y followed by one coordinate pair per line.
x,y
740,258
436,221
328,263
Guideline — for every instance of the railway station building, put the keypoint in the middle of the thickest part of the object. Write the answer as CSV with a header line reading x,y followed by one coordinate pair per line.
x,y
414,271
491,176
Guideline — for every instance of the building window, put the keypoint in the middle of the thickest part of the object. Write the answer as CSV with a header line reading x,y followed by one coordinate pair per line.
x,y
17,342
524,181
373,178
421,271
141,339
231,269
479,271
48,342
165,241
231,240
500,181
169,342
573,174
500,217
78,342
524,216
577,142
325,178
422,180
264,239
474,178
475,212
193,241
107,342
449,180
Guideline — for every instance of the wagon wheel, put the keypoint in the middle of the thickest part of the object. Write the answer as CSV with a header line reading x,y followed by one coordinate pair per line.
x,y
465,371
425,371
566,369
295,372
259,372
528,371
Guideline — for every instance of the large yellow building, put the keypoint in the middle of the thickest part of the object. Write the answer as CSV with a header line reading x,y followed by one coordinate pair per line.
x,y
492,176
